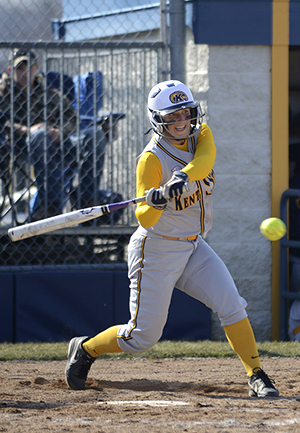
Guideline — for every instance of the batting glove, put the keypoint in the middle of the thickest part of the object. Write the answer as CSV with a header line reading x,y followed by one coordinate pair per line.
x,y
176,185
155,198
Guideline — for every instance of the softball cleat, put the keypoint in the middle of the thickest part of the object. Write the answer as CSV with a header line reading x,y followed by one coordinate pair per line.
x,y
78,364
261,386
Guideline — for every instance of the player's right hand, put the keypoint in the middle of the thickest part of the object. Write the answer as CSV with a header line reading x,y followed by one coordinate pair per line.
x,y
176,185
155,198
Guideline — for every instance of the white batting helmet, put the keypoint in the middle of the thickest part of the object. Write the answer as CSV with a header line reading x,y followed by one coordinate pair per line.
x,y
168,97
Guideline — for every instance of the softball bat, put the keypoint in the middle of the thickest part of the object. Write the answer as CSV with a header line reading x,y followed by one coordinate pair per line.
x,y
66,220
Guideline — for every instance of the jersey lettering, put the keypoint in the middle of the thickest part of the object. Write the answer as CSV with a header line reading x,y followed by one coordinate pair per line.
x,y
210,179
181,203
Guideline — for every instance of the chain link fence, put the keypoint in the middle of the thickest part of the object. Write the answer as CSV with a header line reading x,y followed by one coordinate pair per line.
x,y
92,68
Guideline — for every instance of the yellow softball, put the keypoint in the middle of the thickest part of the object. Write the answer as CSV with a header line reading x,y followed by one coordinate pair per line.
x,y
273,228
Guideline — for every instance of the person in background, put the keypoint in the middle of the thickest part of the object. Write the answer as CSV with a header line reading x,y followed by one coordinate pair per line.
x,y
42,130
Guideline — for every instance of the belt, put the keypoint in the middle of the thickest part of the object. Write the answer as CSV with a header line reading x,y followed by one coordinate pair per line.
x,y
187,238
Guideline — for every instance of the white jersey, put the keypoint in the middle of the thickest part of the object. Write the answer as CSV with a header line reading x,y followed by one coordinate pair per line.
x,y
191,213
172,254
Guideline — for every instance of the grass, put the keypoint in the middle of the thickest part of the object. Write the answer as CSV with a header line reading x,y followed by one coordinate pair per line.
x,y
163,349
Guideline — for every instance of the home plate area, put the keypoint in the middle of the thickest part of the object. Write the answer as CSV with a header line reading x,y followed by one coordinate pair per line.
x,y
153,403
134,395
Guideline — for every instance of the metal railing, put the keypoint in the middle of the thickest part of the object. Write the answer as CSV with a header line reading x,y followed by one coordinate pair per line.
x,y
285,260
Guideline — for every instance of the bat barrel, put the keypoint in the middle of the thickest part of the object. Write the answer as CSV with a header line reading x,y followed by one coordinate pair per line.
x,y
65,220
53,223
38,228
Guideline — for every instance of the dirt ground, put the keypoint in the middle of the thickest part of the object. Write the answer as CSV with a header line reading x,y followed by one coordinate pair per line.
x,y
142,395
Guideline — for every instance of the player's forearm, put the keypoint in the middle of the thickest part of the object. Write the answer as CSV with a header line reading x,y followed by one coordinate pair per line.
x,y
148,176
199,168
147,216
205,156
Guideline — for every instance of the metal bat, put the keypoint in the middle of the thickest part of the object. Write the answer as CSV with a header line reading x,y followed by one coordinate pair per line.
x,y
66,220
69,219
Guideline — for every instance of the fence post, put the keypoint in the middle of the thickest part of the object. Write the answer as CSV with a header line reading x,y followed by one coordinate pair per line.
x,y
177,39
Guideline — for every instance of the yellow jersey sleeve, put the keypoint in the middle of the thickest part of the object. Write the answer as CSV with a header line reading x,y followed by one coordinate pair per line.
x,y
148,175
205,156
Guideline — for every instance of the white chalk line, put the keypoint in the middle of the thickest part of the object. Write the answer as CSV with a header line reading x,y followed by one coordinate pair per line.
x,y
153,403
189,424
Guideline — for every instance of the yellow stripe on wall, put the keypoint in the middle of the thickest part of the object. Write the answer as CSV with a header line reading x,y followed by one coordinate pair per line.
x,y
280,137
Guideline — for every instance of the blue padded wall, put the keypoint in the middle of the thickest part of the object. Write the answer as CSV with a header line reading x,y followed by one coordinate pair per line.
x,y
56,306
121,304
7,308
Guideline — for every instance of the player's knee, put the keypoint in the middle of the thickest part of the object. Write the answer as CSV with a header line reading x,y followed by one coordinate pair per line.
x,y
138,341
233,318
132,346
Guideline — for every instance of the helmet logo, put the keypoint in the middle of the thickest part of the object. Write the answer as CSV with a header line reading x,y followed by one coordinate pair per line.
x,y
178,97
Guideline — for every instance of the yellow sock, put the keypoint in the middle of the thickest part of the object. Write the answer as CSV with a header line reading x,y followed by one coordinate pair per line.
x,y
105,342
241,339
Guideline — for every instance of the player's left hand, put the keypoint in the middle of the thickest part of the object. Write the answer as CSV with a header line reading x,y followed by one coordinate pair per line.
x,y
155,198
176,185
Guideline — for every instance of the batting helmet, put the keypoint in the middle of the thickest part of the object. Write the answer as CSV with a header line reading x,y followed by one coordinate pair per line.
x,y
168,97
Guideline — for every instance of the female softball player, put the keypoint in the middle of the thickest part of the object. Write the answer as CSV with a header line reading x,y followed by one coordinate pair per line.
x,y
175,171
